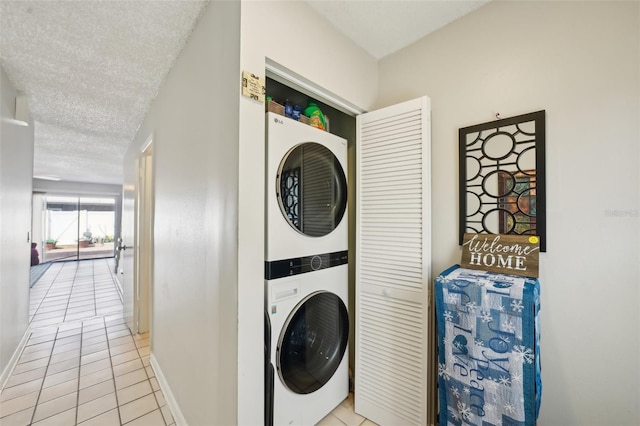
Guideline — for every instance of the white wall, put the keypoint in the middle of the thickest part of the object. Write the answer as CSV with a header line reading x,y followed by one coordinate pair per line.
x,y
291,34
580,62
208,297
16,170
194,125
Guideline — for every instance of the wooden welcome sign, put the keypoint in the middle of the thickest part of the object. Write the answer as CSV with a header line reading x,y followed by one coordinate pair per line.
x,y
504,254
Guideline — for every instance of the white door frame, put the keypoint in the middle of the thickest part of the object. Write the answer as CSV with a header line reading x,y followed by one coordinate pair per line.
x,y
143,244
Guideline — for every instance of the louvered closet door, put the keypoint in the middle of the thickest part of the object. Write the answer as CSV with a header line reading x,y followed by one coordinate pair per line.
x,y
392,263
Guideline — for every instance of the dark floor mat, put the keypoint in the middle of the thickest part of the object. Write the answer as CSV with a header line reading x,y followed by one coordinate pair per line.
x,y
37,271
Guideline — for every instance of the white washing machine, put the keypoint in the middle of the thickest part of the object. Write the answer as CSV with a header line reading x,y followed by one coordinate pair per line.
x,y
309,341
306,279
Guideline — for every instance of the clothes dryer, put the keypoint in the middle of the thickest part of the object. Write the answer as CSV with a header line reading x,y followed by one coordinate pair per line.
x,y
309,341
306,280
306,198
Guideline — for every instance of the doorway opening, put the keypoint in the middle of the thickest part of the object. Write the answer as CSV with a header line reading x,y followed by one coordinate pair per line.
x,y
143,253
74,227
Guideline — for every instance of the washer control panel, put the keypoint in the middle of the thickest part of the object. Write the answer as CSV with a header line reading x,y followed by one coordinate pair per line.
x,y
300,265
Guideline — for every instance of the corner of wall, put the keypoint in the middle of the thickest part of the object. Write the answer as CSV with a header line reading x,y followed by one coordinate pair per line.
x,y
13,361
16,166
178,417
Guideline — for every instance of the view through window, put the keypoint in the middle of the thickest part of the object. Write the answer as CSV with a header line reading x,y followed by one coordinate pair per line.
x,y
78,228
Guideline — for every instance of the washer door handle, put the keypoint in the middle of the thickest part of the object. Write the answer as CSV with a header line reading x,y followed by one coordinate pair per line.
x,y
285,294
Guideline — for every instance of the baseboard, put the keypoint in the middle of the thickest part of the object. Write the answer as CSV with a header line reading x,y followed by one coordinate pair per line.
x,y
166,391
6,373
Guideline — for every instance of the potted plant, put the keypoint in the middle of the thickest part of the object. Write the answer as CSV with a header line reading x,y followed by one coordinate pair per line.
x,y
86,240
50,244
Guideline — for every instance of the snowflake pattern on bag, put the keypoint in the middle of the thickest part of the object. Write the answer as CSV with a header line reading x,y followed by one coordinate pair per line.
x,y
488,360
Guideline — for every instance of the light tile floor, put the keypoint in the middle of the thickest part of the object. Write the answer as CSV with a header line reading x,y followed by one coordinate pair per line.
x,y
72,291
82,366
343,415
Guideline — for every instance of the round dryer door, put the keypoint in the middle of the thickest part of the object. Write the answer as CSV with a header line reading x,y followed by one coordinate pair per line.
x,y
312,189
312,342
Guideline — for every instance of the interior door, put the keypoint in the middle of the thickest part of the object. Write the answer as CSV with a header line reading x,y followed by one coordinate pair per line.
x,y
144,246
126,270
392,264
136,245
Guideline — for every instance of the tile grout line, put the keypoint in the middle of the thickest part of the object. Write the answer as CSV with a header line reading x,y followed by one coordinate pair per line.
x,y
141,362
79,373
113,374
44,377
149,379
73,284
95,302
114,278
111,286
82,322
45,294
144,396
93,282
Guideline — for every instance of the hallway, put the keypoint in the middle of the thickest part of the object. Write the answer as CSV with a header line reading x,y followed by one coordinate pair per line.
x,y
82,365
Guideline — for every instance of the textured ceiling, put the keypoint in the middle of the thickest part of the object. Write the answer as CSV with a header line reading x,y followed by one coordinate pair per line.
x,y
90,69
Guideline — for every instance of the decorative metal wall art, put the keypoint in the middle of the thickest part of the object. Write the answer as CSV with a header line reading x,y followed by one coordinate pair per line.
x,y
502,177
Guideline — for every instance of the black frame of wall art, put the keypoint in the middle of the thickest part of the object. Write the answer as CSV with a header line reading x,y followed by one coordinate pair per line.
x,y
497,183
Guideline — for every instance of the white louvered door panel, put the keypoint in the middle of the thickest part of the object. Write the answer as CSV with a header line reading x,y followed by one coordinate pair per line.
x,y
392,263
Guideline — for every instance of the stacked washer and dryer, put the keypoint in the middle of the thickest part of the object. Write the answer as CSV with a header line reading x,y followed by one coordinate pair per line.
x,y
306,279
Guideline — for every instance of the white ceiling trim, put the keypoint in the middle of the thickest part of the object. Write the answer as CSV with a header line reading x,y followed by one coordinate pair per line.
x,y
295,81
